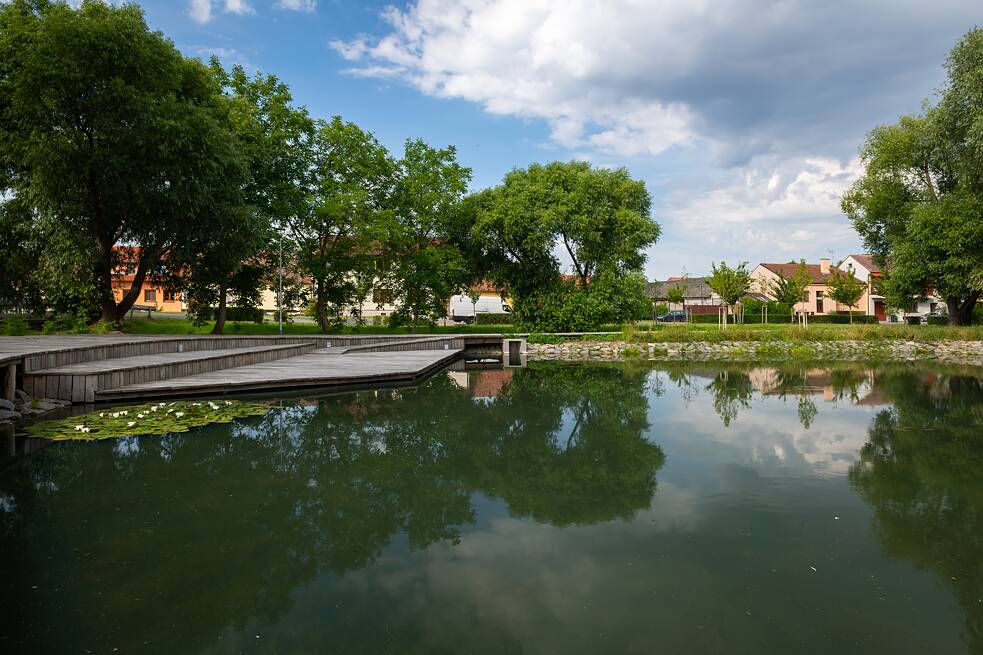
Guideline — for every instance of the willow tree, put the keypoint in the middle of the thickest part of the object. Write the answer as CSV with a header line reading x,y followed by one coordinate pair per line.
x,y
919,204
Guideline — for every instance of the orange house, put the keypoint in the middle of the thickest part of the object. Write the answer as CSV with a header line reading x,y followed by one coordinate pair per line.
x,y
152,292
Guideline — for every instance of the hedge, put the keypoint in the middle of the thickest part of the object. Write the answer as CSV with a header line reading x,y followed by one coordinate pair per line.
x,y
492,319
779,319
241,314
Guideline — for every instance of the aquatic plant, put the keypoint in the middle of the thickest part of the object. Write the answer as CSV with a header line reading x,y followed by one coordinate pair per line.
x,y
142,420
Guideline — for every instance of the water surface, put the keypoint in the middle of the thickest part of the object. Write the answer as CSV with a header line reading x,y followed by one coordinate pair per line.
x,y
603,508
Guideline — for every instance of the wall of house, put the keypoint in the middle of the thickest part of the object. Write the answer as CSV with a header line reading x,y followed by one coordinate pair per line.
x,y
151,295
763,277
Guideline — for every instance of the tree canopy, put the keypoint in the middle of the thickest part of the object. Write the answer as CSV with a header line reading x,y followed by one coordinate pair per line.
x,y
919,204
597,218
131,149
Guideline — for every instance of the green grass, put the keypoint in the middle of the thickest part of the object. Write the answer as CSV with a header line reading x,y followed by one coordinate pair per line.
x,y
183,326
765,333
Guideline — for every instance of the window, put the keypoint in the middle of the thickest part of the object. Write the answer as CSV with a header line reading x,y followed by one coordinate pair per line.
x,y
169,296
819,302
131,269
150,295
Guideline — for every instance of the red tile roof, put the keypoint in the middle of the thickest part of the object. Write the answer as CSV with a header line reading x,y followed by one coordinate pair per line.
x,y
788,270
867,261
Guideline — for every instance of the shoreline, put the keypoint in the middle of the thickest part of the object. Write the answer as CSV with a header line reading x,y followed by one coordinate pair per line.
x,y
961,352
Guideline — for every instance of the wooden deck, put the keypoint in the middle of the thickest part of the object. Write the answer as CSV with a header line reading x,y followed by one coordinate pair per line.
x,y
94,368
318,369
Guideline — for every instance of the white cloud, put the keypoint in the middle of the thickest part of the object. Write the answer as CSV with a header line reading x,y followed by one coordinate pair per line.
x,y
238,7
297,5
200,10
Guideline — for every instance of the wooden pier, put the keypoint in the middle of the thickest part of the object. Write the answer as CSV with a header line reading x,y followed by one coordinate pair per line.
x,y
103,368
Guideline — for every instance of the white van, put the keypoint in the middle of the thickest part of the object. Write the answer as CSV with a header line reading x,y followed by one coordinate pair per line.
x,y
463,311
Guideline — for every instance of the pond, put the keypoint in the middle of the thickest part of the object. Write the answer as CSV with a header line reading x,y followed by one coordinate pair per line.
x,y
558,508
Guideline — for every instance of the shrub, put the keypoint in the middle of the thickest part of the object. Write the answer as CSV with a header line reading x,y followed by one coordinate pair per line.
x,y
243,314
493,319
913,320
630,351
14,326
661,309
938,320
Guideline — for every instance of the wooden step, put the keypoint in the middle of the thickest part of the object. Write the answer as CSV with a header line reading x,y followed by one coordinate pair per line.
x,y
81,382
316,369
90,348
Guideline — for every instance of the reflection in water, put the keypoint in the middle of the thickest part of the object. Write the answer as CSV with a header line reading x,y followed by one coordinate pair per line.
x,y
922,472
318,486
517,510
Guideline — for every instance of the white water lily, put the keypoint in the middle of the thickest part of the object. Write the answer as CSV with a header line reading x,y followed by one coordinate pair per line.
x,y
131,424
213,405
169,410
101,414
86,429
115,414
228,402
140,415
178,414
79,427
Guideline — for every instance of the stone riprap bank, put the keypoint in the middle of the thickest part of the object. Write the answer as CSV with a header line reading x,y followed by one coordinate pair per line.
x,y
967,352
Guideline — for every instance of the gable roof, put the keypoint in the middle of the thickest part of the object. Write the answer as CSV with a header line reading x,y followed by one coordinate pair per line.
x,y
867,261
693,287
789,269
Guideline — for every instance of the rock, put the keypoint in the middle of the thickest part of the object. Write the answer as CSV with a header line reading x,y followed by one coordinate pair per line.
x,y
7,405
22,396
6,415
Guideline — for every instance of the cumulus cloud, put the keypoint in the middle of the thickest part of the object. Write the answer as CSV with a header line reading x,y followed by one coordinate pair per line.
x,y
297,5
238,7
772,97
200,10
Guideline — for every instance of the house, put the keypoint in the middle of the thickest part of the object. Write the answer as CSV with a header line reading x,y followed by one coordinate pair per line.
x,y
698,297
867,270
816,300
153,292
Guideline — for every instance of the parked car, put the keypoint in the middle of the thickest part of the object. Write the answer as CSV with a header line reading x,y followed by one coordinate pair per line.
x,y
675,316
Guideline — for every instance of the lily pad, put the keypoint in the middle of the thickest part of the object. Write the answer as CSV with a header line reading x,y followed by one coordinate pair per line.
x,y
140,420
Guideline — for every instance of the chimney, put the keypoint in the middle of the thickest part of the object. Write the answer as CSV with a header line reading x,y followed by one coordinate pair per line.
x,y
824,266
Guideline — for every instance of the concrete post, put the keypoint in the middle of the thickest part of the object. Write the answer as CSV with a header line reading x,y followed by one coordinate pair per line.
x,y
10,384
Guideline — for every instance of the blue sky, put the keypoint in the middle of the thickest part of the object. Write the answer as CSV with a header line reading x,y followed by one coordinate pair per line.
x,y
743,117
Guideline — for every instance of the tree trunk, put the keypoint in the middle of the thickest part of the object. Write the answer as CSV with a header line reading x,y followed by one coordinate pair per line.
x,y
321,307
413,324
118,311
223,292
726,309
961,313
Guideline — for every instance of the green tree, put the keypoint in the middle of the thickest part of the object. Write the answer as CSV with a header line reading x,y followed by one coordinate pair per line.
x,y
20,252
131,147
233,253
339,234
423,266
918,204
599,217
731,284
845,289
791,290
675,295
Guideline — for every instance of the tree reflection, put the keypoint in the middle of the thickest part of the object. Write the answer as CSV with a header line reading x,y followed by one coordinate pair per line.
x,y
146,539
920,471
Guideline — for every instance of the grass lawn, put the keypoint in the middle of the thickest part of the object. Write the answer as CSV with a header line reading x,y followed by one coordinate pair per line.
x,y
164,325
680,332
